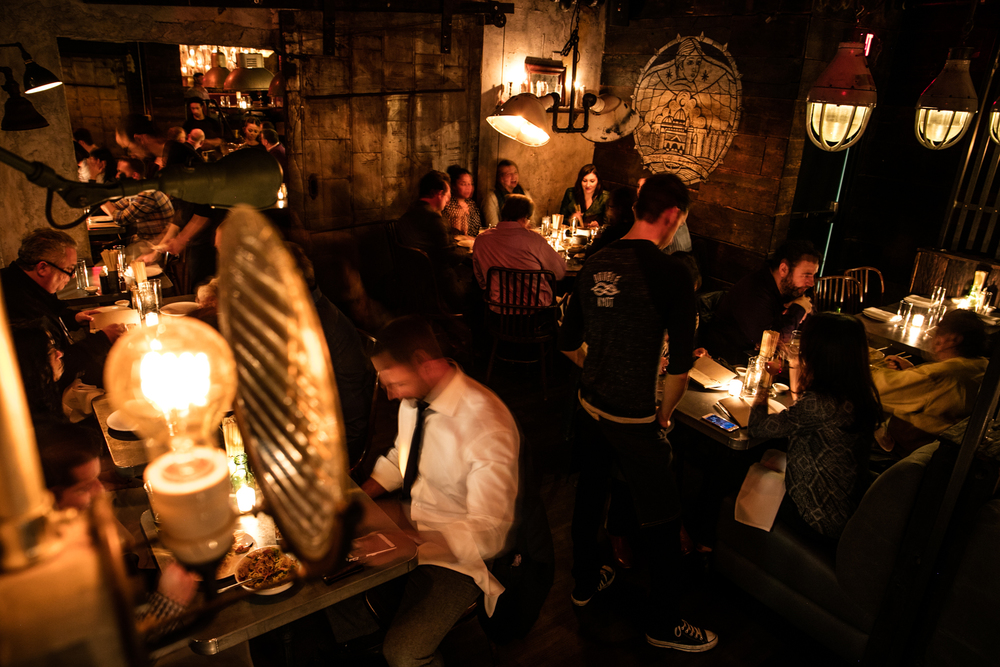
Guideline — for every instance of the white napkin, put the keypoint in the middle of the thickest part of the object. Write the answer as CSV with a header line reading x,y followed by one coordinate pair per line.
x,y
762,491
919,301
878,314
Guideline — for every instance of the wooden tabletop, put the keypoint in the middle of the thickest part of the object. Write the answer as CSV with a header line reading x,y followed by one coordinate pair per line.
x,y
254,615
128,451
697,402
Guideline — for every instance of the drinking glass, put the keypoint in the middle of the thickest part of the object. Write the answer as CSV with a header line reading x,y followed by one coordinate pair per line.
x,y
904,313
557,219
938,295
82,275
146,298
546,224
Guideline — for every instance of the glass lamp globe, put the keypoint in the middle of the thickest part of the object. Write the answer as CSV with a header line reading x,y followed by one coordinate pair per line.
x,y
174,379
995,122
841,101
946,107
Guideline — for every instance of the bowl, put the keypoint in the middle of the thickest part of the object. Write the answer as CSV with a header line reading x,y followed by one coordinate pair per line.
x,y
780,387
266,566
123,303
741,370
179,308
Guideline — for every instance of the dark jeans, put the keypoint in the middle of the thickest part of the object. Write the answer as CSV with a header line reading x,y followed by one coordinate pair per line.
x,y
644,459
434,600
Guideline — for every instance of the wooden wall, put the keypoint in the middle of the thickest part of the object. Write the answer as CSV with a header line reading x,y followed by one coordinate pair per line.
x,y
742,211
367,123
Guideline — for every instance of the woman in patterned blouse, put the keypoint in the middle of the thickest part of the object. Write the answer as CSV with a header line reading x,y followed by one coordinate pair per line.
x,y
830,429
461,213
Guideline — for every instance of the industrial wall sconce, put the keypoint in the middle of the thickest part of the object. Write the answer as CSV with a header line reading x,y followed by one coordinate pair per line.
x,y
18,112
840,103
946,107
36,77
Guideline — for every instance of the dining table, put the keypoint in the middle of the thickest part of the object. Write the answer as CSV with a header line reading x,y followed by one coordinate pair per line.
x,y
697,402
916,341
127,449
254,614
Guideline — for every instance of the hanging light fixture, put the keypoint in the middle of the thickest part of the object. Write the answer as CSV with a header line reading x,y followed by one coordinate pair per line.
x,y
18,112
946,107
522,118
36,77
250,75
841,101
215,77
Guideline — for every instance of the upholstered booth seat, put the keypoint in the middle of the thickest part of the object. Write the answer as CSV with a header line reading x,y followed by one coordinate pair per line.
x,y
832,597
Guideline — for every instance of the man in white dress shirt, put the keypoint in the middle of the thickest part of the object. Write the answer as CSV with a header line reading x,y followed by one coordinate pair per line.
x,y
461,494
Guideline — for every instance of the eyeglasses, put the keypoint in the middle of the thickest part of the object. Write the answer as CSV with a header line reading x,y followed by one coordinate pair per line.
x,y
70,272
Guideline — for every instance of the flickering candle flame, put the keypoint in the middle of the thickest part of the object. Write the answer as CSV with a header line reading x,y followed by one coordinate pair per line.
x,y
918,321
246,498
735,387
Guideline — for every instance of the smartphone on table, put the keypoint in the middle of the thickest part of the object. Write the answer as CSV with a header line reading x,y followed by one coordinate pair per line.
x,y
716,420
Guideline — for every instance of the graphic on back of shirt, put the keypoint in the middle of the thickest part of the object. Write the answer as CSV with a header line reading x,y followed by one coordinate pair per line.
x,y
605,288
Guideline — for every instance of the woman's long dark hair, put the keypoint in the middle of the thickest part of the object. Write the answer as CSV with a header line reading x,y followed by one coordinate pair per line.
x,y
835,363
578,188
32,342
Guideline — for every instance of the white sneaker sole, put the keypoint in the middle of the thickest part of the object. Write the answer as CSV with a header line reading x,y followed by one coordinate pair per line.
x,y
687,648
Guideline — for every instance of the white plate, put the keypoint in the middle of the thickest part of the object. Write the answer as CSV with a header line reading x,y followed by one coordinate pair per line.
x,y
179,308
120,422
878,314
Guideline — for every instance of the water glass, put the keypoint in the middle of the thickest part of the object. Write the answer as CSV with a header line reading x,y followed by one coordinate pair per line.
x,y
938,295
146,298
904,313
546,224
557,219
82,275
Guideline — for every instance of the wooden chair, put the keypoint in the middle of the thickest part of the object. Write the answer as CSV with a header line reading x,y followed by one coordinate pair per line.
x,y
871,290
517,315
838,294
357,464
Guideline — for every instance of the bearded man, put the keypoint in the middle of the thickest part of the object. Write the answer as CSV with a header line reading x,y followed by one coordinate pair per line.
x,y
772,298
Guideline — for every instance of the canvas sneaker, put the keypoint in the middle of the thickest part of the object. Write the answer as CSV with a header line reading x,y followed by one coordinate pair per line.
x,y
684,637
582,594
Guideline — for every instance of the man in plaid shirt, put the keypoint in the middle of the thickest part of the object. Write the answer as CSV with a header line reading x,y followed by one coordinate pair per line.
x,y
145,216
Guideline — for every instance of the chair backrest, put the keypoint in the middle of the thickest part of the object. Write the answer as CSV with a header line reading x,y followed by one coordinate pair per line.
x,y
515,304
839,294
871,289
357,464
517,287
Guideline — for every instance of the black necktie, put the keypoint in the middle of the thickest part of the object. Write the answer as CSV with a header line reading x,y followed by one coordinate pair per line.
x,y
413,459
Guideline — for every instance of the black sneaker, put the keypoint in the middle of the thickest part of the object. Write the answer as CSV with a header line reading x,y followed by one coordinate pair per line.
x,y
684,637
581,595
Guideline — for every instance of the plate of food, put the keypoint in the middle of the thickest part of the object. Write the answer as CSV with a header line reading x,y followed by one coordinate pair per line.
x,y
261,569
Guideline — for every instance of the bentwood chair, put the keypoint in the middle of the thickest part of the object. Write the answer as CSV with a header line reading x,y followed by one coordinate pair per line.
x,y
838,294
872,285
517,314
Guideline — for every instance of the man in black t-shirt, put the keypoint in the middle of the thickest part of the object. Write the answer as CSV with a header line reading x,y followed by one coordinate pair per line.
x,y
628,297
202,121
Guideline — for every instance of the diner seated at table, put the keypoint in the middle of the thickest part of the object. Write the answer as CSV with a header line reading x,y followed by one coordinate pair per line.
x,y
41,364
511,245
461,213
586,201
830,428
773,298
455,460
508,182
146,216
926,400
251,133
101,166
353,371
46,261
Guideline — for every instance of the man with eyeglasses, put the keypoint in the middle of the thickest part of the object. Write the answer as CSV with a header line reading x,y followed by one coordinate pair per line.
x,y
46,261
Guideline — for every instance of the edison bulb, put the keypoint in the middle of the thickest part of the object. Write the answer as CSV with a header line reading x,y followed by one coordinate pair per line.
x,y
175,379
